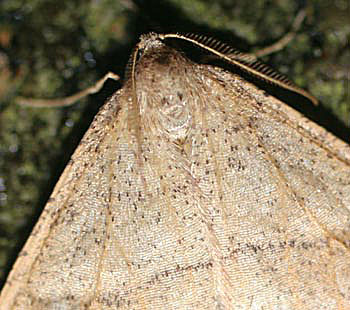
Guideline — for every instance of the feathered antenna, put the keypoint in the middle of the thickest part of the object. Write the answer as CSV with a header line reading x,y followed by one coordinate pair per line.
x,y
246,62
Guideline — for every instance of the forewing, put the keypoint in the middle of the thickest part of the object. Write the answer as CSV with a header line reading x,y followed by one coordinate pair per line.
x,y
60,265
245,207
280,199
121,230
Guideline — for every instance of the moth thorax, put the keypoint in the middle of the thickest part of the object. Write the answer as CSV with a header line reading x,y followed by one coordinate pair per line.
x,y
175,116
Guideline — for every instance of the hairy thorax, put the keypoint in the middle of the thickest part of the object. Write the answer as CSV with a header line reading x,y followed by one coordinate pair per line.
x,y
167,111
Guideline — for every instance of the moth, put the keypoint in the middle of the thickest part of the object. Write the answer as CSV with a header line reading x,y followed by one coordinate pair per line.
x,y
193,189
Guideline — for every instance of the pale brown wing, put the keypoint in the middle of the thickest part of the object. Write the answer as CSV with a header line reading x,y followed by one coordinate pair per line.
x,y
272,189
59,259
107,241
235,202
280,188
112,236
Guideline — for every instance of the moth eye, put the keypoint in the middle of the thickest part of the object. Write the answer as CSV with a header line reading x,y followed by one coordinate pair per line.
x,y
139,53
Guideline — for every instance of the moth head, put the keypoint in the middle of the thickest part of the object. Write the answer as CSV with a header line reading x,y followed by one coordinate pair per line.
x,y
153,54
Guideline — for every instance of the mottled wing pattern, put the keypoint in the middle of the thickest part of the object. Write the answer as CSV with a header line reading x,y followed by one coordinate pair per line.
x,y
233,201
284,205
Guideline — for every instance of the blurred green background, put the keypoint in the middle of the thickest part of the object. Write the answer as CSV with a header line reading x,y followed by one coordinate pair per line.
x,y
51,49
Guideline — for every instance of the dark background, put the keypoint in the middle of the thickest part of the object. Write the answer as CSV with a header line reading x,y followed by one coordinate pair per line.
x,y
52,49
